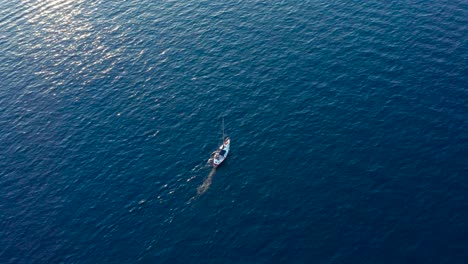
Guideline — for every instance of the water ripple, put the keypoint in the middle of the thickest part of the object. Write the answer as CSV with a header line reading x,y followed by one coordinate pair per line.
x,y
348,123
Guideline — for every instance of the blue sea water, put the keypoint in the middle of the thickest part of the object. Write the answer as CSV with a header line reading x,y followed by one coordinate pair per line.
x,y
348,121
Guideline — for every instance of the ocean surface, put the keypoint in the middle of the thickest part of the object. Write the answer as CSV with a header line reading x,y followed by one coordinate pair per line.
x,y
348,121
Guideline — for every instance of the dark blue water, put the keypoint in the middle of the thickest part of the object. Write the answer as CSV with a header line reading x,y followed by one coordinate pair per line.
x,y
348,120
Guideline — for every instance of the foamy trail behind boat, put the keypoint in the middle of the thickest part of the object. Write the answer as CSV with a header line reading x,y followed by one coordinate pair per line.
x,y
206,183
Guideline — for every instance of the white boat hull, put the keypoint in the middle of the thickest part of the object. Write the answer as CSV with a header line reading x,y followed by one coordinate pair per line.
x,y
222,152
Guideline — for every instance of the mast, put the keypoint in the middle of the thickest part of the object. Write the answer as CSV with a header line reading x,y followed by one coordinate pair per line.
x,y
223,129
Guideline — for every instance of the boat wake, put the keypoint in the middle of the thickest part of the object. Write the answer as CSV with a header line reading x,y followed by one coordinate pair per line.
x,y
206,183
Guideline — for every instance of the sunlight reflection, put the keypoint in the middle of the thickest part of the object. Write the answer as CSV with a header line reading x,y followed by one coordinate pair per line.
x,y
66,38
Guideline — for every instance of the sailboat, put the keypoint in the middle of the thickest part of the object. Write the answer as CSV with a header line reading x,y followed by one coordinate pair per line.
x,y
223,150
